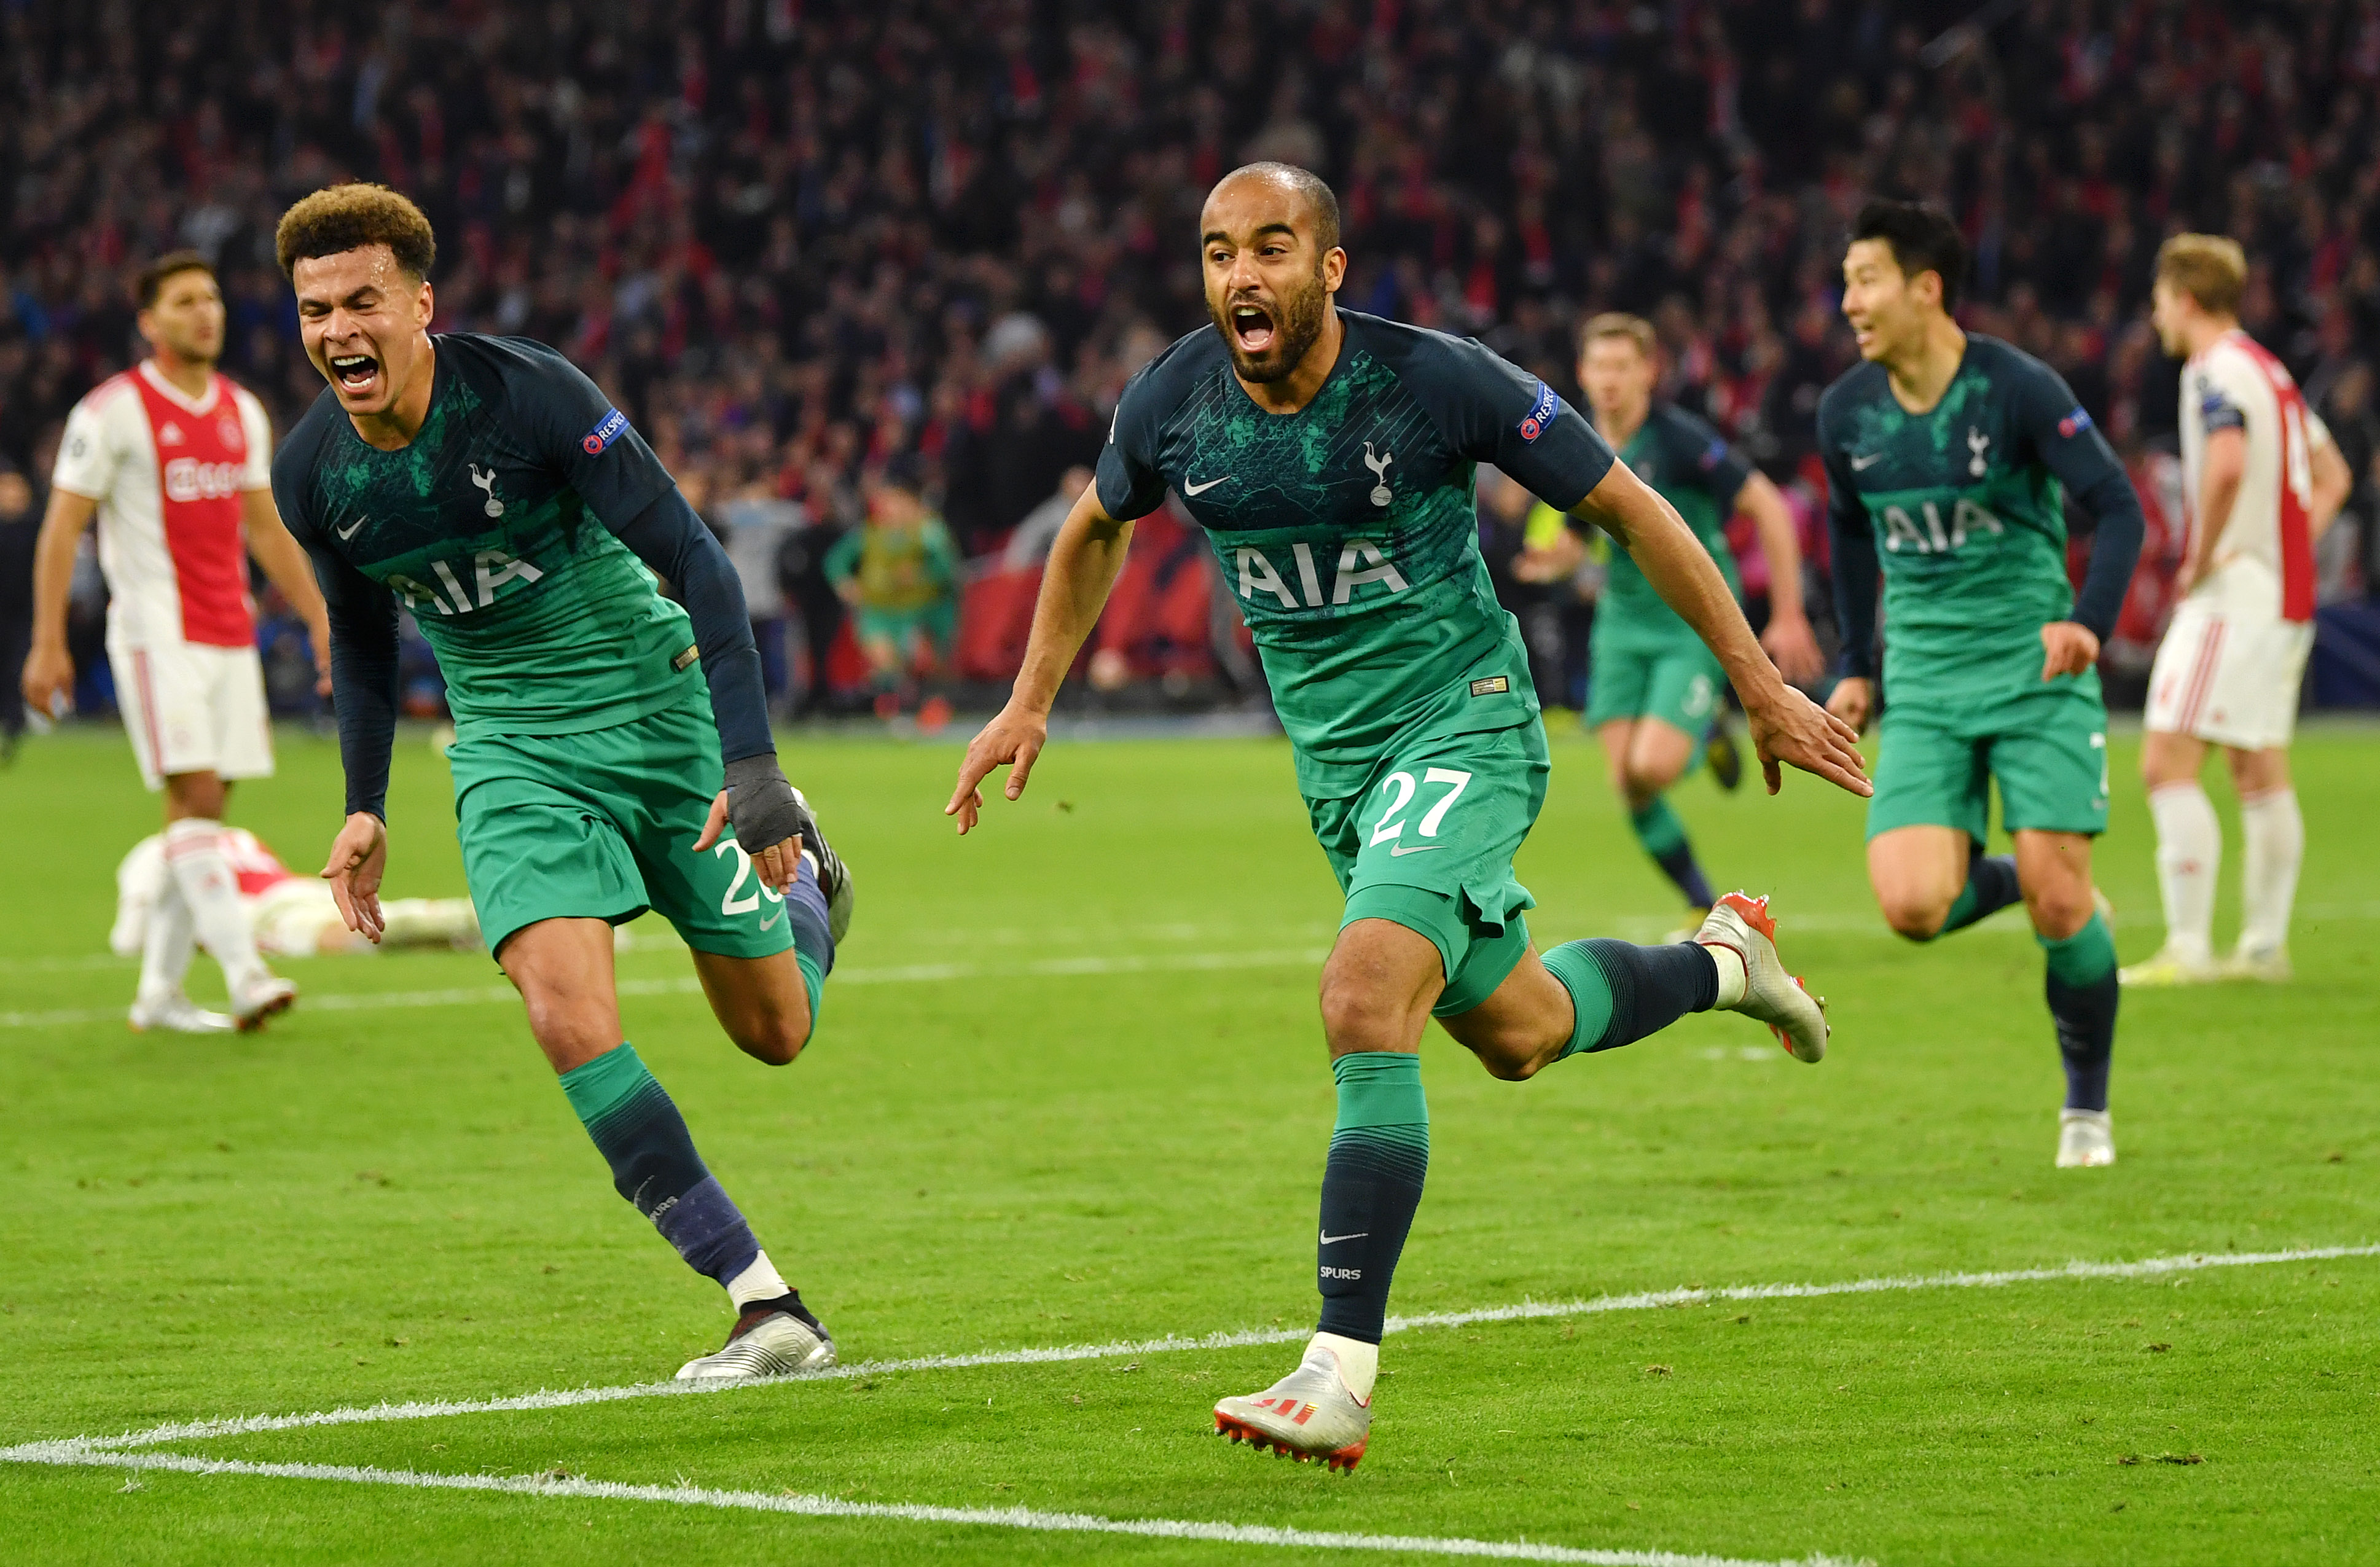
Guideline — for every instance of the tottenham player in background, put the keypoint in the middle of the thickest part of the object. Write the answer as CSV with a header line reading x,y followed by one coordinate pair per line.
x,y
1948,455
1329,456
173,460
2262,479
1655,690
488,486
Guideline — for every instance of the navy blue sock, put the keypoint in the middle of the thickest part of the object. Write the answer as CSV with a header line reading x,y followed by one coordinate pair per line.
x,y
642,1136
813,945
1991,887
1622,993
1371,1185
2083,993
1664,837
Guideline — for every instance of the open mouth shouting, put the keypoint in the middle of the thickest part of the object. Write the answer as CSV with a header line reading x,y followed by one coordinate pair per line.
x,y
358,375
1253,329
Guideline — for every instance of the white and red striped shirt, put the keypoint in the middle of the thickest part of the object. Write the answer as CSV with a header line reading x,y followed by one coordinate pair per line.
x,y
2234,384
168,472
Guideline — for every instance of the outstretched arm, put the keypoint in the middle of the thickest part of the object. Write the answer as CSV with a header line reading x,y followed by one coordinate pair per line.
x,y
1786,725
1089,551
1787,636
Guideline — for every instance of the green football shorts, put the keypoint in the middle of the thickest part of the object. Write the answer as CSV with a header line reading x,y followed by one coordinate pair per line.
x,y
601,825
1677,681
1429,843
2048,748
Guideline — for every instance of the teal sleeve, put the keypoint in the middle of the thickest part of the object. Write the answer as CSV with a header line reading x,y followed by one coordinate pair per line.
x,y
942,555
1491,410
2070,446
842,560
1718,468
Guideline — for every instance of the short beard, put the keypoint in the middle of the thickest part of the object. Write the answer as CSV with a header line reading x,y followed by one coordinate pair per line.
x,y
1299,326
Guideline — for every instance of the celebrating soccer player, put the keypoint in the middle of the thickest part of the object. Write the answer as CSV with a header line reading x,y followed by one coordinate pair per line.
x,y
1329,455
489,487
2262,479
1946,457
1658,689
173,459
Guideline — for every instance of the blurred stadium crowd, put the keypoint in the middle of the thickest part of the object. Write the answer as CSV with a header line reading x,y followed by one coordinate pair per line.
x,y
801,240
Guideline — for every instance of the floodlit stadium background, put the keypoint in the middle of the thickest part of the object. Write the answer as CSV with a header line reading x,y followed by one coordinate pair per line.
x,y
797,240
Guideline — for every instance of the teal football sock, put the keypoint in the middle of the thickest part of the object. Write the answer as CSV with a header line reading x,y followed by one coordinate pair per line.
x,y
805,919
640,1134
1620,992
1371,1186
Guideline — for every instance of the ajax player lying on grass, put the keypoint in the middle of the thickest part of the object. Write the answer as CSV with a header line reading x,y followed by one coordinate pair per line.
x,y
289,915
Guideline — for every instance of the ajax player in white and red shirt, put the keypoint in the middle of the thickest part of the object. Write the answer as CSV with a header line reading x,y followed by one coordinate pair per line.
x,y
176,463
2260,480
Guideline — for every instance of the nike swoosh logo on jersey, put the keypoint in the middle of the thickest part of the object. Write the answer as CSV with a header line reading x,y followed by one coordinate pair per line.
x,y
1865,461
772,919
1417,849
350,531
1330,1240
1188,488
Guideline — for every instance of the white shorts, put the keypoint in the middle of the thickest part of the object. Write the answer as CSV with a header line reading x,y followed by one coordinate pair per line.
x,y
191,708
2228,677
289,918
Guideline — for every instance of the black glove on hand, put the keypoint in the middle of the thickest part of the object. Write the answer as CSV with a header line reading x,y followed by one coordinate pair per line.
x,y
761,806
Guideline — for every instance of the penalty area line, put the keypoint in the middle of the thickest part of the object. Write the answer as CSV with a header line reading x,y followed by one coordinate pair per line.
x,y
813,1506
1526,1310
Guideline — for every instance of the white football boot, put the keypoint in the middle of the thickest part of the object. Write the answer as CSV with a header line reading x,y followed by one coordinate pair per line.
x,y
777,1344
1742,924
2271,965
176,1013
1307,1415
2167,967
2085,1139
261,996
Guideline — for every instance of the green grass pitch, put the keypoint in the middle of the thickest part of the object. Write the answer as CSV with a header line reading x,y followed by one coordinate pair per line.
x,y
1070,1088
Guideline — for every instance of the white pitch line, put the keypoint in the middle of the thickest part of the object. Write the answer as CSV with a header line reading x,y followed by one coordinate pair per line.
x,y
1830,923
686,984
1824,922
814,1506
193,1430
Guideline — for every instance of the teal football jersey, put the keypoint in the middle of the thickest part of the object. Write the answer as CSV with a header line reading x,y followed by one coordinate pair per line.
x,y
488,528
1348,531
1967,507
